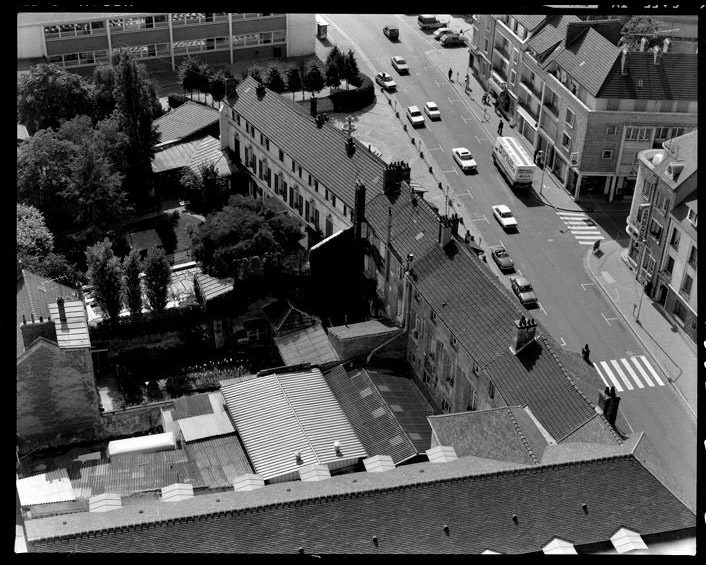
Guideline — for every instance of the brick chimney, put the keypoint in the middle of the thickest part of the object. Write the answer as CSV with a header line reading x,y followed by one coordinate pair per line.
x,y
445,230
32,330
624,62
525,331
608,402
62,310
455,221
657,55
394,175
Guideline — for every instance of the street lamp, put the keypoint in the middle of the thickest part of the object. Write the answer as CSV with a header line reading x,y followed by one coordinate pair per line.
x,y
541,182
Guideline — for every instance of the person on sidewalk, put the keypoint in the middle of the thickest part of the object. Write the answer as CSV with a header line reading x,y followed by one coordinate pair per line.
x,y
451,74
500,127
585,352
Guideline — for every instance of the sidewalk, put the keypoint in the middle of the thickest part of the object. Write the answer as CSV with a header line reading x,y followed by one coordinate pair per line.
x,y
673,351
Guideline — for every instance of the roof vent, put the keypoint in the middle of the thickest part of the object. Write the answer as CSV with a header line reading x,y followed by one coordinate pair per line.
x,y
674,170
298,456
585,508
643,43
624,62
337,447
657,55
514,518
350,147
665,44
62,310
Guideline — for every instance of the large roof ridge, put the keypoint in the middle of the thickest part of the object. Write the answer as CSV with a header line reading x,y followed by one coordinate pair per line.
x,y
521,435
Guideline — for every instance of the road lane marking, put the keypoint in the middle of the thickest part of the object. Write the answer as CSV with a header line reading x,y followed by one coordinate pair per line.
x,y
478,139
628,368
563,344
647,364
618,370
606,319
542,307
600,374
586,242
608,372
584,285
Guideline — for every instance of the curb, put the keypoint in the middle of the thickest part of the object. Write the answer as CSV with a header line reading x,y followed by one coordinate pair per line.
x,y
587,264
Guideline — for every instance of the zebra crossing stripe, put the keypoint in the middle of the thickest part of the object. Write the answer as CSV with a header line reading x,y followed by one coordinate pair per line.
x,y
615,382
647,364
579,214
628,368
593,237
622,375
605,382
586,242
638,382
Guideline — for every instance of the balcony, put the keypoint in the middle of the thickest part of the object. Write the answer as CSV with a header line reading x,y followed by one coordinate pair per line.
x,y
528,108
552,108
531,88
503,51
498,75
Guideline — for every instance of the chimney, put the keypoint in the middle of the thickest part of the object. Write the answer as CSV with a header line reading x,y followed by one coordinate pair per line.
x,y
624,62
359,210
62,310
313,102
445,229
665,45
674,170
350,146
608,402
455,221
34,330
657,55
643,43
524,335
260,90
394,175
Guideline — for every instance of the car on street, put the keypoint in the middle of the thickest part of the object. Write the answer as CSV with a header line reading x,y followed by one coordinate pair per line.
x,y
441,32
385,80
432,110
523,290
501,258
392,32
451,39
415,116
400,65
504,216
464,159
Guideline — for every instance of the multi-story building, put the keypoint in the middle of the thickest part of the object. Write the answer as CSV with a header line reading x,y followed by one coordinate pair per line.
x,y
81,40
662,228
588,106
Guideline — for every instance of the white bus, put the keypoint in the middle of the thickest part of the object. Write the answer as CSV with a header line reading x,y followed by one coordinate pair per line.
x,y
513,162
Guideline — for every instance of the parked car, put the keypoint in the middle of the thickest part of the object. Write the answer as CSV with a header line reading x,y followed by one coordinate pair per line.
x,y
385,80
464,159
432,110
414,115
400,65
523,290
501,258
441,32
392,32
451,39
503,215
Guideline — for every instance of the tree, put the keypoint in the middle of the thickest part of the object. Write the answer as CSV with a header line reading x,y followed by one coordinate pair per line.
x,y
313,80
335,57
294,80
158,275
217,84
105,275
49,94
207,190
333,77
33,236
188,74
274,81
350,68
103,85
637,28
255,73
132,289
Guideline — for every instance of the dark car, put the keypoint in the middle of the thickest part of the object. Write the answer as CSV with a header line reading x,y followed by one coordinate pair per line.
x,y
502,259
523,290
391,32
452,39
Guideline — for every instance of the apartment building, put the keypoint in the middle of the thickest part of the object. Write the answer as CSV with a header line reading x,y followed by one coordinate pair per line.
x,y
662,227
584,105
81,40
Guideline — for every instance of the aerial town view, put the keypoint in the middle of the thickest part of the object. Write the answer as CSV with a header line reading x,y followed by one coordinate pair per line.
x,y
303,283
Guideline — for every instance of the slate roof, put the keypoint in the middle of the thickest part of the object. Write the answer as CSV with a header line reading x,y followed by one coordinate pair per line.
x,y
551,33
285,318
309,345
186,120
480,314
371,417
530,21
675,78
404,508
683,149
279,414
73,333
320,151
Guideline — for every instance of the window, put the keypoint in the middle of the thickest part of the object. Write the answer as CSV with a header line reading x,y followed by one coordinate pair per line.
x,y
692,256
686,284
267,144
316,186
662,133
644,134
679,311
237,118
611,130
569,118
281,155
513,77
515,56
326,194
294,166
656,230
345,210
445,406
674,241
452,376
630,133
677,132
669,266
647,188
692,216
329,226
607,154
485,46
491,389
333,200
309,180
487,23
649,263
662,202
565,141
433,316
300,172
476,368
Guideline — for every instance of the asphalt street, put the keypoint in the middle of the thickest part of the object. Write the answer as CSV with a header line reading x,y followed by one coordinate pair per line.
x,y
547,248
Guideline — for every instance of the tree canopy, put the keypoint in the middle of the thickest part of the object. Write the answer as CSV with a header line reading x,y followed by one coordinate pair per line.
x,y
132,289
294,80
314,81
105,275
274,80
158,275
637,28
350,67
207,190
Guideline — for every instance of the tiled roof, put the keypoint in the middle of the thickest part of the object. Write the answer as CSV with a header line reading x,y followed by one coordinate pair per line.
x,y
506,434
551,34
675,78
372,419
530,21
219,459
205,425
34,294
280,414
405,509
212,287
310,345
174,157
285,318
73,332
45,488
589,59
320,151
407,404
185,121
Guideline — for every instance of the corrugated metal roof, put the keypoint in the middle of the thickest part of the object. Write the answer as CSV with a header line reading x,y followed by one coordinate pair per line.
x,y
209,150
219,459
278,415
185,121
73,333
205,425
174,157
211,287
44,488
310,345
193,405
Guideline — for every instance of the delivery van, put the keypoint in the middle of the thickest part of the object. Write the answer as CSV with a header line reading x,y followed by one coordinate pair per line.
x,y
513,162
429,21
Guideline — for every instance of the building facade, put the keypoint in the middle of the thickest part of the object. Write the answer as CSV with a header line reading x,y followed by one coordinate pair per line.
x,y
80,41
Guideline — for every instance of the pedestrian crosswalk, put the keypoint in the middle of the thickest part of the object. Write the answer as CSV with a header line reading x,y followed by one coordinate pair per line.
x,y
582,227
622,373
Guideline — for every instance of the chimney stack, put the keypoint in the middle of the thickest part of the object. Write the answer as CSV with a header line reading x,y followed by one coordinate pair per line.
x,y
394,175
350,146
665,45
624,62
608,402
62,310
525,331
657,55
260,90
643,43
455,221
445,230
313,102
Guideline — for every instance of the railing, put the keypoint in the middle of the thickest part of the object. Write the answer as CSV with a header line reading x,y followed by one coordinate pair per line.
x,y
530,87
502,51
527,108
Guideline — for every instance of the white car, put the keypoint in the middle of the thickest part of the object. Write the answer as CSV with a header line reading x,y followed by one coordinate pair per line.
x,y
464,159
385,80
432,110
414,115
441,32
503,215
400,65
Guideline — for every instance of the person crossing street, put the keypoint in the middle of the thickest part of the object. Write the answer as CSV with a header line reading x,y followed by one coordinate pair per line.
x,y
500,127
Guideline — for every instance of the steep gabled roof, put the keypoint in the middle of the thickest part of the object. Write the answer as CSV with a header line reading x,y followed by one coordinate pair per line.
x,y
684,150
551,33
285,318
186,120
530,21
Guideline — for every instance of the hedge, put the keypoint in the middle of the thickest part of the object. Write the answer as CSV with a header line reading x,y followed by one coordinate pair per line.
x,y
175,99
354,100
171,319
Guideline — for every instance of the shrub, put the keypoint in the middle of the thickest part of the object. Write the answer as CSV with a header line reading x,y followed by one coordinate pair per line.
x,y
175,99
354,100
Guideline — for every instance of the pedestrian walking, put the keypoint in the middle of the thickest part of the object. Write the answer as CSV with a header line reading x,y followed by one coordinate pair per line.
x,y
451,73
500,127
585,352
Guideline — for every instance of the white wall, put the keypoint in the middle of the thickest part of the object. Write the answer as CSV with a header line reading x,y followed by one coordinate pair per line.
x,y
30,42
301,33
